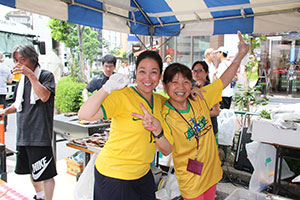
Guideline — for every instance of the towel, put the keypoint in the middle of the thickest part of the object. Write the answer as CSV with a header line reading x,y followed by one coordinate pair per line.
x,y
20,91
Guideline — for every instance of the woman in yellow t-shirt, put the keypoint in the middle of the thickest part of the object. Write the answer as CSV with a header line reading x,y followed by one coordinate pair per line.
x,y
195,155
122,168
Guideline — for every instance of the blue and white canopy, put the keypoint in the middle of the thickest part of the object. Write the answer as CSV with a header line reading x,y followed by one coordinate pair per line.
x,y
172,17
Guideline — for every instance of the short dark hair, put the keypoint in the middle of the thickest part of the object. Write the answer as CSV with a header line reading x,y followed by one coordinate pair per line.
x,y
109,59
174,69
224,54
28,51
204,65
150,54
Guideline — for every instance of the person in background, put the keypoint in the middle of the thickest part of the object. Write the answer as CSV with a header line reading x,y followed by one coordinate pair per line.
x,y
251,75
34,105
168,60
209,57
5,77
109,65
224,64
122,168
124,69
132,72
200,74
86,74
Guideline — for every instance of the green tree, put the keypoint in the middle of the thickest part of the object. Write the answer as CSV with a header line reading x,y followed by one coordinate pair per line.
x,y
81,40
116,51
106,45
247,96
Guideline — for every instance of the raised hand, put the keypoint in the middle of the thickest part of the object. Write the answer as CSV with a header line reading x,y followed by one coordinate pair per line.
x,y
242,46
22,69
150,123
115,81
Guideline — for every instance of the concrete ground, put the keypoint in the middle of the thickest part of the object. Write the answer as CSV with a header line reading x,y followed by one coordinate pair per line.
x,y
65,183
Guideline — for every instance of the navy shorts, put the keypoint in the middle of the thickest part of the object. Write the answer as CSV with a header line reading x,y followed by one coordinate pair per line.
x,y
117,189
37,161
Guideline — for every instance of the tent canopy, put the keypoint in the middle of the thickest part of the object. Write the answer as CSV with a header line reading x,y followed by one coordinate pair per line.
x,y
172,17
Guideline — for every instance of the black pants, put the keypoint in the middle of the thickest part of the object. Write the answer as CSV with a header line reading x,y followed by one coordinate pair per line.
x,y
226,102
3,101
116,189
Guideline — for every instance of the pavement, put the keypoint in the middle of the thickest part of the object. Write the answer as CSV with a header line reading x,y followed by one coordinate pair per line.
x,y
65,183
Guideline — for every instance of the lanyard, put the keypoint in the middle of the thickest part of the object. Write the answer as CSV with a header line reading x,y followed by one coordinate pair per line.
x,y
197,136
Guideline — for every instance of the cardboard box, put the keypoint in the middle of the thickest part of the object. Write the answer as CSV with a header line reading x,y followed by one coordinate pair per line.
x,y
73,167
265,131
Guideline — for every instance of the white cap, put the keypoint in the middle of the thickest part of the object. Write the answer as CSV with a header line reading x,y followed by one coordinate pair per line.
x,y
168,56
221,49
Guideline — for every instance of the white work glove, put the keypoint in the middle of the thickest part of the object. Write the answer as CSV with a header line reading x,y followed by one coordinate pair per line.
x,y
115,82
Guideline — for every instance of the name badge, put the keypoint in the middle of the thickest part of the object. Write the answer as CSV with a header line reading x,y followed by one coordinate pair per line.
x,y
194,166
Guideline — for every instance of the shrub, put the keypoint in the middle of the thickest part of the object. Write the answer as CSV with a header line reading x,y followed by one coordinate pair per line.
x,y
96,72
68,96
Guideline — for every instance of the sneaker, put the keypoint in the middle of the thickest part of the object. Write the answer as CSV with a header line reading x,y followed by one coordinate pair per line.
x,y
34,197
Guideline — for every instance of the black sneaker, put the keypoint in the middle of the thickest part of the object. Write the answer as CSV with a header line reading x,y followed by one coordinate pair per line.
x,y
34,197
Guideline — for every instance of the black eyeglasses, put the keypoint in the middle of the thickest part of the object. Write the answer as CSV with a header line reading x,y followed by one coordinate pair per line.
x,y
198,70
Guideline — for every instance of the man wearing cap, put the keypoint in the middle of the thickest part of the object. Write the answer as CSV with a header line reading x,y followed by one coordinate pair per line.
x,y
5,77
109,65
224,64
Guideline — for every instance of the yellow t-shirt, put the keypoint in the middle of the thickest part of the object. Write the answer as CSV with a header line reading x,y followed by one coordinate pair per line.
x,y
185,146
130,147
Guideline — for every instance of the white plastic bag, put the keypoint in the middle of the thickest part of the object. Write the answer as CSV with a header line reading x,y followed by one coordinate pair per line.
x,y
85,185
172,186
226,127
262,158
166,160
169,187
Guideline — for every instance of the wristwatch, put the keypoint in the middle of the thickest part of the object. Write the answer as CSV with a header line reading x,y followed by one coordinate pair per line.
x,y
159,135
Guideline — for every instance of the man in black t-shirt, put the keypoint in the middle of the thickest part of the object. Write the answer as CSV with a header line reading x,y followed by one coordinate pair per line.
x,y
34,105
109,65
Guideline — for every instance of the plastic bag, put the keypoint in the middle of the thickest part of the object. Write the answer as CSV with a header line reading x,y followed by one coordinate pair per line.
x,y
226,126
172,186
166,160
262,158
168,188
85,186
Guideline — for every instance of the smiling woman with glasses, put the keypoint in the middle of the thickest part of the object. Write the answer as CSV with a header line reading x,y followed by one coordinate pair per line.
x,y
201,77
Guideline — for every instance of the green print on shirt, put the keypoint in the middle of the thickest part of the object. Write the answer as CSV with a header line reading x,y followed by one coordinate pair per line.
x,y
198,127
152,140
136,119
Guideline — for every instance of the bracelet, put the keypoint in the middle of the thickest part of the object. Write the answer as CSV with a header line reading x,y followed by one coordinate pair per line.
x,y
159,135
